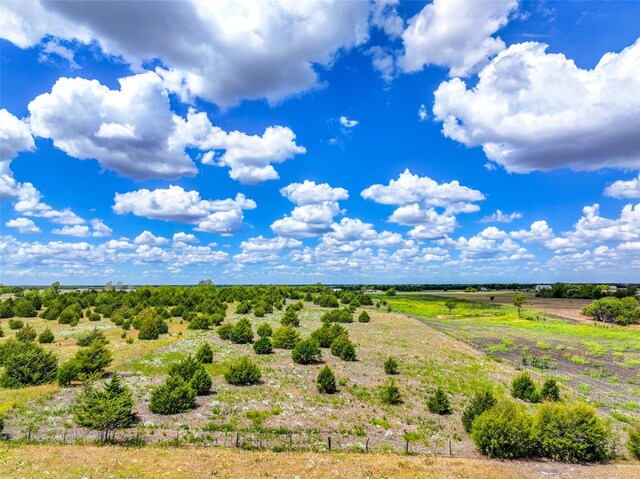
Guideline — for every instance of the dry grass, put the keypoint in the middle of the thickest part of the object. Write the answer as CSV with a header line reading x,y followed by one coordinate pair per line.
x,y
192,462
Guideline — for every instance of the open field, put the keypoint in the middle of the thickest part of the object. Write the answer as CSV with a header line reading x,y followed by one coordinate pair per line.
x,y
597,362
197,462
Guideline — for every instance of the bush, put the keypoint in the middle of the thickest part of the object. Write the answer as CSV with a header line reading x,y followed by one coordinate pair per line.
x,y
524,388
337,316
46,337
95,317
1,423
571,433
439,402
27,364
391,366
633,443
343,348
70,315
243,372
326,381
225,330
242,332
243,308
504,432
326,334
306,351
93,336
390,393
204,354
202,322
16,324
173,397
93,359
149,329
285,337
481,402
185,368
550,390
1,332
201,382
263,346
26,334
67,373
23,308
265,330
364,317
290,318
6,309
259,312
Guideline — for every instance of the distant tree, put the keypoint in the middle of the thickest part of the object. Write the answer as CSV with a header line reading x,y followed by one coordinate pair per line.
x,y
364,317
450,304
204,354
27,364
46,337
290,318
481,402
242,332
518,301
326,381
390,393
173,397
306,351
243,372
93,336
26,334
438,403
263,345
550,390
391,366
265,330
105,410
390,292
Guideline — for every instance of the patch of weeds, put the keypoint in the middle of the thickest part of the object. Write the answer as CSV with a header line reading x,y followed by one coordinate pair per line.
x,y
543,346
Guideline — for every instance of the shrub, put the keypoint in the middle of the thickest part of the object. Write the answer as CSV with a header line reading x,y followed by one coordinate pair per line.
x,y
343,348
290,318
67,373
105,410
201,382
481,402
550,390
326,381
265,330
202,322
172,397
224,331
149,329
259,312
243,308
391,366
23,308
524,388
1,423
185,368
243,372
242,332
438,403
16,324
95,317
390,393
46,337
337,316
364,317
27,364
93,336
93,359
571,433
306,351
263,346
204,354
216,319
70,315
7,348
1,332
6,309
503,431
633,443
285,337
26,334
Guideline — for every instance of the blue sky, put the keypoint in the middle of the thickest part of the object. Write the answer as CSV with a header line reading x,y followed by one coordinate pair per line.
x,y
270,142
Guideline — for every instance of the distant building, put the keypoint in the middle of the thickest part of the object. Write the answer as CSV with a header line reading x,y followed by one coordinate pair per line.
x,y
540,287
484,290
613,289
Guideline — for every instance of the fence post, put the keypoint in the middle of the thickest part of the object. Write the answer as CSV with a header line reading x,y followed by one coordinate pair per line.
x,y
366,445
237,439
329,442
290,440
450,452
406,446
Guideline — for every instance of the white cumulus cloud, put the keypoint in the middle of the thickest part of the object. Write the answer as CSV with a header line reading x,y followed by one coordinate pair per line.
x,y
624,189
24,225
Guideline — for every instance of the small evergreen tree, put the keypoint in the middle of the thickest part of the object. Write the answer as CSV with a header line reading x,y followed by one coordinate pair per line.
x,y
306,351
15,324
364,317
67,373
504,432
481,402
27,364
204,354
201,382
243,372
46,337
26,334
95,317
202,322
105,410
149,329
438,403
290,318
550,390
326,381
633,443
173,397
93,336
93,359
242,332
263,345
390,393
343,348
225,330
391,366
285,337
524,388
185,368
265,330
